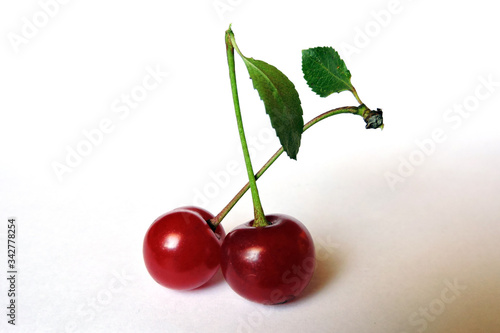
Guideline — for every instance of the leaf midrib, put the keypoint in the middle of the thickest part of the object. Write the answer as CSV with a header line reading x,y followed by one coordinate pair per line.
x,y
346,83
282,103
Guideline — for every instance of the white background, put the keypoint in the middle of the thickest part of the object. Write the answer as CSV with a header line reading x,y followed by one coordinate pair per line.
x,y
398,215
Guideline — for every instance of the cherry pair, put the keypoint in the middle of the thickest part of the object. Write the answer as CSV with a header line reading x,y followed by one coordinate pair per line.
x,y
269,265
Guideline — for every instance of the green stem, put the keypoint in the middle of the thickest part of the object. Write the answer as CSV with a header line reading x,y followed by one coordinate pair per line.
x,y
259,217
355,93
360,110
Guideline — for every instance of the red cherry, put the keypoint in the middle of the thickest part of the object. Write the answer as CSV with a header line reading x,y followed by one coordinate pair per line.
x,y
206,215
271,264
180,250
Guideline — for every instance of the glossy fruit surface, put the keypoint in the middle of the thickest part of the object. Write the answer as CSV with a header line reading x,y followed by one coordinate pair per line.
x,y
180,250
206,215
271,264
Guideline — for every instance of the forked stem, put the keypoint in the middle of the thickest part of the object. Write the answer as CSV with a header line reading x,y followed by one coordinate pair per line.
x,y
372,118
361,110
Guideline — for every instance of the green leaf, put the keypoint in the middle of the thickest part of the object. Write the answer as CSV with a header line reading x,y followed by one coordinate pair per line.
x,y
281,101
325,72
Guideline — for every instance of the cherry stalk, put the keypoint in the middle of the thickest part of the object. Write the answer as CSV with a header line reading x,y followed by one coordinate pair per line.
x,y
373,119
260,219
320,62
261,260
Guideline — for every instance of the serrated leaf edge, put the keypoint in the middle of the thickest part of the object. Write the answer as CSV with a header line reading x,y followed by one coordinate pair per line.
x,y
275,93
348,84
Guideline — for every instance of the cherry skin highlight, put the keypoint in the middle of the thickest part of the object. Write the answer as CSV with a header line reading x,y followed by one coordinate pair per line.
x,y
206,215
180,250
271,264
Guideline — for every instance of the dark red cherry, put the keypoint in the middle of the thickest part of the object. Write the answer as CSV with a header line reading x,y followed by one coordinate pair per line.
x,y
271,264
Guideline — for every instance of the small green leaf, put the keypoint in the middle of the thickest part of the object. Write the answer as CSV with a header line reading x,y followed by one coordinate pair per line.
x,y
325,72
281,101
